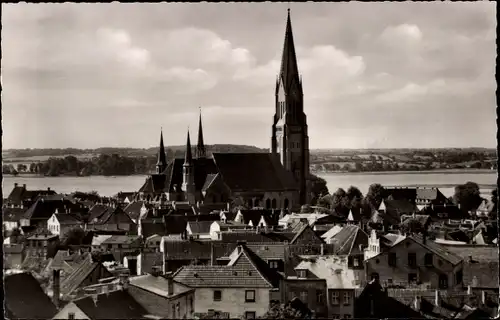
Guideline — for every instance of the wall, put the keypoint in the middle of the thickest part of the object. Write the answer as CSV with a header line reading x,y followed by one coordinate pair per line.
x,y
341,309
162,306
71,308
293,288
399,274
233,301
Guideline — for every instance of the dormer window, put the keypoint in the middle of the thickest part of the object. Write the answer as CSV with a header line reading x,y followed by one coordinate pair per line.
x,y
302,273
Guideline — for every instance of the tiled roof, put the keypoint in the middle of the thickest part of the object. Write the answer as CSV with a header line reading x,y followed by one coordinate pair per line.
x,y
348,240
209,180
175,224
13,214
481,274
97,211
478,252
268,250
245,272
112,215
114,305
198,227
157,285
438,250
335,270
42,209
133,209
252,236
119,239
74,280
399,207
253,172
16,195
331,233
186,250
97,240
150,228
65,218
25,299
261,266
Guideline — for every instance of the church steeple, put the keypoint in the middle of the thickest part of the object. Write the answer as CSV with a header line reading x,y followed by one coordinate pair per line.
x,y
200,148
289,70
188,159
161,164
289,140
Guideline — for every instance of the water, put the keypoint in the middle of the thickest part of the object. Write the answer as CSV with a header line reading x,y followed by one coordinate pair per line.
x,y
108,186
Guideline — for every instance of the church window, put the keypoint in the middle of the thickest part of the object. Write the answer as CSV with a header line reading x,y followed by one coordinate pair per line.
x,y
250,203
273,204
286,203
268,204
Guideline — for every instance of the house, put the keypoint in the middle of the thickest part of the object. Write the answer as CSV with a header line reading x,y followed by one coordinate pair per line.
x,y
38,245
87,272
118,304
199,229
20,196
42,209
25,299
254,217
416,261
182,252
327,236
97,241
13,256
111,219
122,245
61,223
310,289
351,242
151,227
125,197
390,211
12,217
341,281
217,227
137,208
243,288
291,219
161,296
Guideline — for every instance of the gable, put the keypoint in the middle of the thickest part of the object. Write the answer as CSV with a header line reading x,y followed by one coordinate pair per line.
x,y
307,236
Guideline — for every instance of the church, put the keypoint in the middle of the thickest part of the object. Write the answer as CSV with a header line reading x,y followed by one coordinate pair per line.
x,y
275,180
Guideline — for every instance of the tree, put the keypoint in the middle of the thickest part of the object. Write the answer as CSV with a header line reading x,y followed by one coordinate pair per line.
x,y
468,196
376,193
340,202
73,236
71,163
306,209
21,167
33,167
325,201
294,309
318,188
412,225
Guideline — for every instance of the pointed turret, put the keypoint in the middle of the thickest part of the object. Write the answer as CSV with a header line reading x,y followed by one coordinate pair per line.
x,y
188,159
161,164
289,70
200,148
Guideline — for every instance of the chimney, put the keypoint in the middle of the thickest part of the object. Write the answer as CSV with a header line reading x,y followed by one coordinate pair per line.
x,y
322,249
15,184
56,287
212,254
48,188
24,186
156,271
228,207
469,290
437,301
483,297
170,284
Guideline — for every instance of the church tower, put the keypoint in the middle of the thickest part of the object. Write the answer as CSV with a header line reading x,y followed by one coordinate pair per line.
x,y
161,164
289,132
188,185
201,152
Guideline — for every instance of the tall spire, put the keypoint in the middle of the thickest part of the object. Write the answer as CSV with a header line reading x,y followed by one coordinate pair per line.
x,y
200,148
161,164
289,69
189,157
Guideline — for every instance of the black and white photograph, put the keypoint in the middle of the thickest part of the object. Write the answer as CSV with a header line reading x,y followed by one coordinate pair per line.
x,y
250,160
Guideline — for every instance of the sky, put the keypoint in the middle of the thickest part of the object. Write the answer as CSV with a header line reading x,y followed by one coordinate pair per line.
x,y
375,75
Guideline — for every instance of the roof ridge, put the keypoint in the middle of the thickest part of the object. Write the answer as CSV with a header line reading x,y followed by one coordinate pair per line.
x,y
246,250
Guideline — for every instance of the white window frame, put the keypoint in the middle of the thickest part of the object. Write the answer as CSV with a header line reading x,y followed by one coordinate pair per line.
x,y
347,298
335,298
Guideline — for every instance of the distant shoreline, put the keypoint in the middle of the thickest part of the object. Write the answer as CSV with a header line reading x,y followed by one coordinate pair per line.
x,y
444,171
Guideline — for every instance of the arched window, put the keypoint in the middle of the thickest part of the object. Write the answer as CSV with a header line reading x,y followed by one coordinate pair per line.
x,y
273,204
268,204
286,203
256,203
250,202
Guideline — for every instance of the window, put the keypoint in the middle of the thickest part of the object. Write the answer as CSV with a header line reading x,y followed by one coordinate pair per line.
x,y
412,277
443,281
428,258
303,296
250,315
302,273
173,311
335,298
249,295
71,315
319,297
392,259
356,262
412,259
119,246
273,264
178,307
217,295
347,298
459,277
